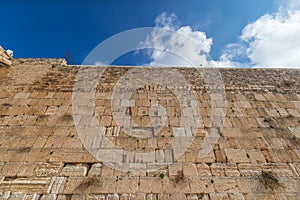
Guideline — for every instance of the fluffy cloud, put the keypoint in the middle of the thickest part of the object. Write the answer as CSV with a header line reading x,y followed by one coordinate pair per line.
x,y
271,41
274,40
173,45
232,56
288,5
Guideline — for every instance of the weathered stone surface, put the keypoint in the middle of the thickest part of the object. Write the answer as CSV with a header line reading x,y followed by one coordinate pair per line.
x,y
203,169
127,185
48,169
246,169
10,169
79,185
218,196
56,185
201,185
26,169
25,185
174,168
237,155
43,156
74,170
95,170
189,169
226,184
256,156
151,185
217,169
231,170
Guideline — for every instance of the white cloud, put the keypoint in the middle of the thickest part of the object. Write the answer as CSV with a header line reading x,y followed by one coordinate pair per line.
x,y
232,55
272,40
288,5
100,63
177,46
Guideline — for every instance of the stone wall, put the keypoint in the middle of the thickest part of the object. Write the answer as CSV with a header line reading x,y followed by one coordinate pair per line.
x,y
43,155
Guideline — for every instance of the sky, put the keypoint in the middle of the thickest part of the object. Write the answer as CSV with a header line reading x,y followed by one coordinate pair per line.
x,y
232,33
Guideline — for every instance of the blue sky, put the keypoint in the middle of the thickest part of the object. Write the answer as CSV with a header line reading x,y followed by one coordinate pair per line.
x,y
33,28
